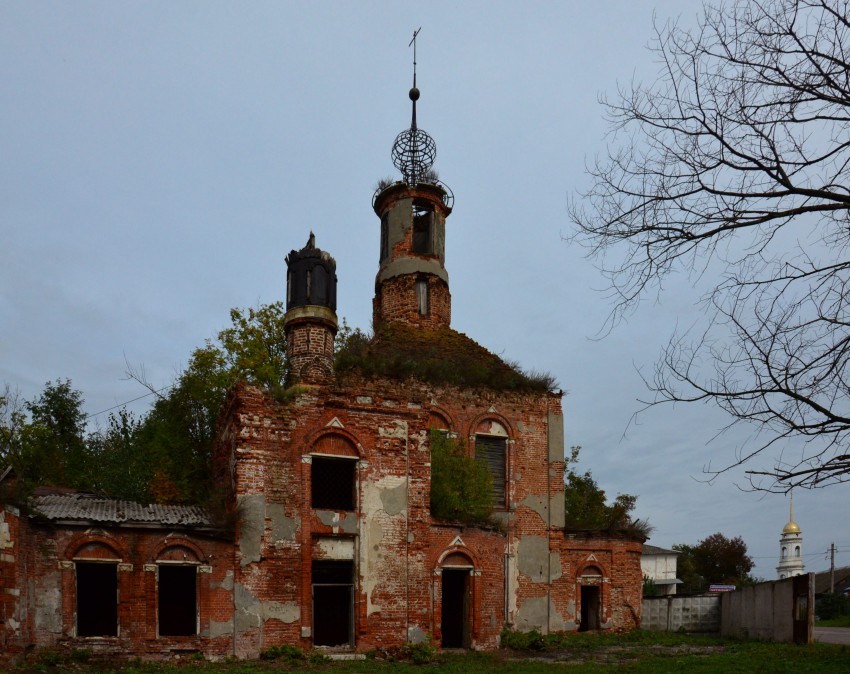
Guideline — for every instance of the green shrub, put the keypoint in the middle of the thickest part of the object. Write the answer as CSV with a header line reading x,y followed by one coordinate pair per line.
x,y
422,653
461,487
522,641
287,652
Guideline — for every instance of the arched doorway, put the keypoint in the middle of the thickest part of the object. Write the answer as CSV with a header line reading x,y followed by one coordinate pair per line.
x,y
590,583
456,600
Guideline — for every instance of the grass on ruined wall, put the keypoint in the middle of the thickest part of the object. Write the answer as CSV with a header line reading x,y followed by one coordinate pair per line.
x,y
638,652
443,356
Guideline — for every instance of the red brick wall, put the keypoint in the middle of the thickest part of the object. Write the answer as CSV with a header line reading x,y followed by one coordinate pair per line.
x,y
46,557
397,545
258,590
396,300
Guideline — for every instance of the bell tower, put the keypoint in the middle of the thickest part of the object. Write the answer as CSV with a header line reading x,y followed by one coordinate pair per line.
x,y
790,548
310,322
412,285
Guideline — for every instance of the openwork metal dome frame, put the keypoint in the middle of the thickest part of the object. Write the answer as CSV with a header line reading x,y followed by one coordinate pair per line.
x,y
414,152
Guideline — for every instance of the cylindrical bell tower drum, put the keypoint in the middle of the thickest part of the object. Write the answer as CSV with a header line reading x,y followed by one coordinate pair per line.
x,y
310,322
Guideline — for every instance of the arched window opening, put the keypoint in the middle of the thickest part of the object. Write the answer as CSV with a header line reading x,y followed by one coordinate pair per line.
x,y
491,449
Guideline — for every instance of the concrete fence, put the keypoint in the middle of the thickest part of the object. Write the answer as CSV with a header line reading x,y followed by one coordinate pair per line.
x,y
691,614
781,610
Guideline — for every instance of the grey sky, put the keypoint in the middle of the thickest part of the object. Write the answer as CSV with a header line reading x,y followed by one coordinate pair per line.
x,y
158,160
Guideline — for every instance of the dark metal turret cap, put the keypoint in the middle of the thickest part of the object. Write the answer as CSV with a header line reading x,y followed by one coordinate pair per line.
x,y
311,277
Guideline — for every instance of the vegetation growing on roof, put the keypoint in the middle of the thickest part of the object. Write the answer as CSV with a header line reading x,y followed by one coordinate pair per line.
x,y
442,356
586,508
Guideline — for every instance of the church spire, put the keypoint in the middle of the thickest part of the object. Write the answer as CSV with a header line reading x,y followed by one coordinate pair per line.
x,y
414,151
790,547
412,285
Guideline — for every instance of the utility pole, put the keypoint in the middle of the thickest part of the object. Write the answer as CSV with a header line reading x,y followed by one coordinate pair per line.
x,y
832,568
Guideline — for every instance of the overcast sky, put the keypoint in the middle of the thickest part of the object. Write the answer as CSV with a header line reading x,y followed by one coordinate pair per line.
x,y
158,161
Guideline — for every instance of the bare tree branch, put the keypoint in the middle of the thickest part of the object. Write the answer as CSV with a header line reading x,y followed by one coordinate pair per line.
x,y
738,158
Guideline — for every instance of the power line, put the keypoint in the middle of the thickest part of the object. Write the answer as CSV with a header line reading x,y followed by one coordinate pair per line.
x,y
115,407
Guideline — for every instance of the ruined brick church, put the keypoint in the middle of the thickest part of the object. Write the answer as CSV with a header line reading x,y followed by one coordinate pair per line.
x,y
333,543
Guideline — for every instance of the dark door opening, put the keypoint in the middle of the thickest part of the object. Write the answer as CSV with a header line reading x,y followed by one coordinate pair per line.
x,y
455,617
178,601
97,600
589,608
333,603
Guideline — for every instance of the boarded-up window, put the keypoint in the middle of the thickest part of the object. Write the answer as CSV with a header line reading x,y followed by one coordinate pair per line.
x,y
492,452
332,482
178,600
97,599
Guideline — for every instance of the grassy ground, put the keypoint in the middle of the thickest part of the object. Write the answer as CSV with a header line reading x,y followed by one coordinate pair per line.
x,y
635,652
841,621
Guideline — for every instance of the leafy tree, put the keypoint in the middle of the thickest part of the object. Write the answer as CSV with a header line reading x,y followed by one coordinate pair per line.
x,y
177,435
461,487
586,504
123,470
714,560
733,167
166,455
52,443
12,421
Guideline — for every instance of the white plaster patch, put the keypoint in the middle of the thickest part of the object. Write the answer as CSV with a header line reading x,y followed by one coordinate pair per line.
x,y
335,548
372,560
5,535
397,430
285,611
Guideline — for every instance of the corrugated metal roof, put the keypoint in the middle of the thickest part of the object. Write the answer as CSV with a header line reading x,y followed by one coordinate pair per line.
x,y
655,550
92,508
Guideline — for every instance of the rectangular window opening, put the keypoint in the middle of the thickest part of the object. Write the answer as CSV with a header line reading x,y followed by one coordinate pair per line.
x,y
492,452
97,599
177,600
385,237
422,235
332,483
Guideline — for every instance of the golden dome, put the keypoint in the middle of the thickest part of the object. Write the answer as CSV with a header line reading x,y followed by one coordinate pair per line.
x,y
791,528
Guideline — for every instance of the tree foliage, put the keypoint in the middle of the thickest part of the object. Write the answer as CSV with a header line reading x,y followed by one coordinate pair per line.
x,y
164,456
52,444
461,487
734,167
714,560
586,505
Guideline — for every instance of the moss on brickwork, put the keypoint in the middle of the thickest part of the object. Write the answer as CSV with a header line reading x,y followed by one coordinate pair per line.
x,y
442,356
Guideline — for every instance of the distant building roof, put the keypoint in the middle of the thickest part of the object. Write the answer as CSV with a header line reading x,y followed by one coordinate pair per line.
x,y
842,580
654,550
81,507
